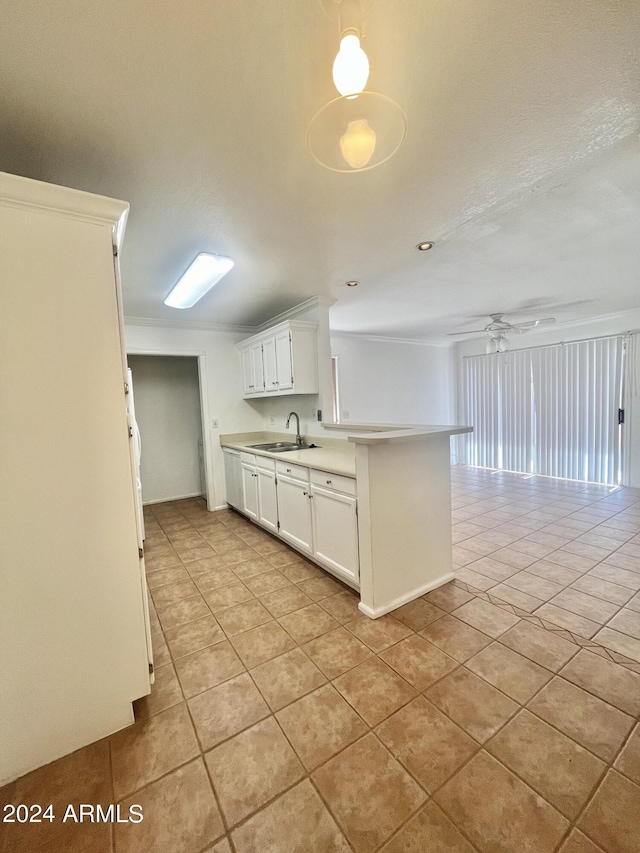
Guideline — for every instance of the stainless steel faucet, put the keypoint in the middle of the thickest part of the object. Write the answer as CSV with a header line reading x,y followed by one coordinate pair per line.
x,y
298,436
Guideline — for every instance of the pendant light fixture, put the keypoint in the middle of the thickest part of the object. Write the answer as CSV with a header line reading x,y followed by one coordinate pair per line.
x,y
361,129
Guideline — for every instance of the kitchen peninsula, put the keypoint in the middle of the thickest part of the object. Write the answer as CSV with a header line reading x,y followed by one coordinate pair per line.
x,y
374,509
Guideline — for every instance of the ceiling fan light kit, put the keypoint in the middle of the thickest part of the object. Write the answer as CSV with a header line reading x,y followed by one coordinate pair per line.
x,y
498,329
361,129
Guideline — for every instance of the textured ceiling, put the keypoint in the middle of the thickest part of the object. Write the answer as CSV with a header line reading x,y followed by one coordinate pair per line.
x,y
521,160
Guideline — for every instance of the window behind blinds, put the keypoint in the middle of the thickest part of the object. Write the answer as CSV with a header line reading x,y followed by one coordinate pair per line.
x,y
548,410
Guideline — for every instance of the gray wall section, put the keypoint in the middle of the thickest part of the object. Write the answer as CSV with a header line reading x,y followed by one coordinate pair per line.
x,y
167,401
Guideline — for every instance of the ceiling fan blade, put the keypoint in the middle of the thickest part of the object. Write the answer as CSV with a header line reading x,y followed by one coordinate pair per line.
x,y
531,324
470,332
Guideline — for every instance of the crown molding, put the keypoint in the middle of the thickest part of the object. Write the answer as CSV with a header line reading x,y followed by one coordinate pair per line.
x,y
383,339
26,193
185,324
291,313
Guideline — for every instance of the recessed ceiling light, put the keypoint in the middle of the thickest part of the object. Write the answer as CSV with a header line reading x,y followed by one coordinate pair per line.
x,y
424,247
205,271
353,283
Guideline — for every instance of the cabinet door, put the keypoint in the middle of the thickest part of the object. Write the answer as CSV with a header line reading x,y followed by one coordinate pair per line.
x,y
267,500
335,531
294,512
269,361
257,368
248,386
250,490
284,361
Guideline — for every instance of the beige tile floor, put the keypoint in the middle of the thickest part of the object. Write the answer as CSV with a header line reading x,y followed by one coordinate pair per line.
x,y
565,556
469,720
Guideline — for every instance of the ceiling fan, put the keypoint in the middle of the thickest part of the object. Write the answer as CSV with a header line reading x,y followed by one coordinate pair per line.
x,y
498,329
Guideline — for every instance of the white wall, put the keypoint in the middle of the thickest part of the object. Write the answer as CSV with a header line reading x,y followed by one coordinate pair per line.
x,y
394,382
613,325
220,375
167,402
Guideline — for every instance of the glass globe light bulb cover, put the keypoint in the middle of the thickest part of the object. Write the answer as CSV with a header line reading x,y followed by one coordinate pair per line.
x,y
350,67
378,119
358,143
502,344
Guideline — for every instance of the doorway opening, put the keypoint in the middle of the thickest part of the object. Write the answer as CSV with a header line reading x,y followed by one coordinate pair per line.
x,y
168,411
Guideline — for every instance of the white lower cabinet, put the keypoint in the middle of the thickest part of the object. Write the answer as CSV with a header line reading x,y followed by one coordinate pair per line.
x,y
294,512
250,490
335,531
313,510
267,498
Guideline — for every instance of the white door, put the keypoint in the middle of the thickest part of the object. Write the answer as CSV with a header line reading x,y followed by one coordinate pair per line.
x,y
267,499
258,370
335,531
270,368
248,386
284,361
294,511
249,490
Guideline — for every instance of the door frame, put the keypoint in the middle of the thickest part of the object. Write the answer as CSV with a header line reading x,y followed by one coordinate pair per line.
x,y
203,385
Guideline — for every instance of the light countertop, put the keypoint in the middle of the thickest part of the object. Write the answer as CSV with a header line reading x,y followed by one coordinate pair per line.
x,y
337,455
333,455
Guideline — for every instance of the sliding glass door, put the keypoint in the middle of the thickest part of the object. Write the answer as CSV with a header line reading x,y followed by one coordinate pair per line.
x,y
553,410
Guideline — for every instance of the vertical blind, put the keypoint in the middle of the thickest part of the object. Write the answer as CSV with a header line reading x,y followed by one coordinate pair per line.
x,y
548,410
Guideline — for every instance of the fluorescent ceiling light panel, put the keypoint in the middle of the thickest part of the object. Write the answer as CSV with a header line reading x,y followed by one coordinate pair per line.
x,y
205,271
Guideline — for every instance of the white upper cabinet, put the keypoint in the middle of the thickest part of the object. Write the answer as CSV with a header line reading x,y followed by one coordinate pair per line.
x,y
257,368
282,343
270,365
248,386
282,360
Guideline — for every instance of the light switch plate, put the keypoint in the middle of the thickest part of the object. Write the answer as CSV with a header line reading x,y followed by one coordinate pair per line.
x,y
214,423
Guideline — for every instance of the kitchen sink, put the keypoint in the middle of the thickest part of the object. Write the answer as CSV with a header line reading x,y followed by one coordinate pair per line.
x,y
282,446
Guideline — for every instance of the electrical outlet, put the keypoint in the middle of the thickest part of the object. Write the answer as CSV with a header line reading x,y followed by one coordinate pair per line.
x,y
314,413
272,420
214,423
345,413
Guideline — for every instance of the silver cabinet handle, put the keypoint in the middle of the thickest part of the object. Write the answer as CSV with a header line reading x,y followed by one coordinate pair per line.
x,y
274,383
289,471
328,482
306,494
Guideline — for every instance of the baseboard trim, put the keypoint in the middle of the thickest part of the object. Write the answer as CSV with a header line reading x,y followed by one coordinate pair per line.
x,y
377,612
178,498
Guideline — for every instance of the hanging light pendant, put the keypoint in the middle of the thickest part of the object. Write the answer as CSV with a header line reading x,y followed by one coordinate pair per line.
x,y
361,129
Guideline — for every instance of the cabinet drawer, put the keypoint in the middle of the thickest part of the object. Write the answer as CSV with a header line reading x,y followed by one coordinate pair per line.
x,y
247,458
347,485
300,472
266,463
